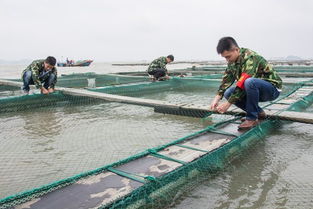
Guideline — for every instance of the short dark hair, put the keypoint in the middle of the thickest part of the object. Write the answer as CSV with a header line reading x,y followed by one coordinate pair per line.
x,y
171,57
51,60
226,44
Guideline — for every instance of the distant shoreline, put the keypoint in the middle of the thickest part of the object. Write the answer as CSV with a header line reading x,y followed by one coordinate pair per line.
x,y
307,62
274,62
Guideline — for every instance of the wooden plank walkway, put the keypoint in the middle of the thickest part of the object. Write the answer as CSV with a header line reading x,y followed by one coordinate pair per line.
x,y
273,111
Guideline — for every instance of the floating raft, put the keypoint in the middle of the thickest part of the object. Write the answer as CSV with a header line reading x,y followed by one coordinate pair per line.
x,y
156,174
142,179
280,109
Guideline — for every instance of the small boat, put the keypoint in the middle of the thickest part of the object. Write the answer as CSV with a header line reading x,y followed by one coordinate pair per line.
x,y
71,63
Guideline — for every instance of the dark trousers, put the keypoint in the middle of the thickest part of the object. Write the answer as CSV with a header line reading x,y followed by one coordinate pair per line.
x,y
157,73
257,90
28,80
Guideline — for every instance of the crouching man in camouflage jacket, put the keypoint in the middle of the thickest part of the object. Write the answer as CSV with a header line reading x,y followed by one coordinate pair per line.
x,y
257,82
42,73
157,67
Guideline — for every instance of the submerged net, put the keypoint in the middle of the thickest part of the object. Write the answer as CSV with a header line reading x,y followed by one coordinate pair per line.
x,y
49,138
92,80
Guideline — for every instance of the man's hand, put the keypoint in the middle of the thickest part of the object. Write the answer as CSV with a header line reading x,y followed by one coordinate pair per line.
x,y
51,90
215,102
222,108
44,90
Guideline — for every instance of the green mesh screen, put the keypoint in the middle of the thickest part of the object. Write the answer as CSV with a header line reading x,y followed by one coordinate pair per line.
x,y
275,173
91,80
6,91
199,91
279,68
51,138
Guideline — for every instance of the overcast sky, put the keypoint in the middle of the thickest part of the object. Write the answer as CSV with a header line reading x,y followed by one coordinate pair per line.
x,y
135,30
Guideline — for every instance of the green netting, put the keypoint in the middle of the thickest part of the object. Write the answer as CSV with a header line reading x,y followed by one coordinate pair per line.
x,y
310,109
210,76
279,68
163,190
210,68
274,173
35,101
82,137
217,71
91,80
153,190
156,192
294,68
302,104
8,88
178,84
6,91
199,91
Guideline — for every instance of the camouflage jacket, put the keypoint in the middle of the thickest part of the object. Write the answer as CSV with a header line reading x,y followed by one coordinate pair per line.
x,y
253,64
159,63
37,67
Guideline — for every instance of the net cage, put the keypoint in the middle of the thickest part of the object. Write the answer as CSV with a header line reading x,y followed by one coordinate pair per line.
x,y
144,173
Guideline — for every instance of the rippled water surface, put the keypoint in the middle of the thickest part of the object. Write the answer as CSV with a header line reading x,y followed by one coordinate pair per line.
x,y
47,144
276,173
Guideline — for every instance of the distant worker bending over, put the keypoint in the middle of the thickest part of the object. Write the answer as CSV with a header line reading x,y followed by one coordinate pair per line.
x,y
257,82
157,68
41,73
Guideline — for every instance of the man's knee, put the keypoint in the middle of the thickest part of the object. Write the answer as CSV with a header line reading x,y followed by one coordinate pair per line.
x,y
52,77
254,83
27,76
249,83
49,81
229,92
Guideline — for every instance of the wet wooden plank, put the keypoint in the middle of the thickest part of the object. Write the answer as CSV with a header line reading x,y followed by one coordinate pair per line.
x,y
114,98
295,97
308,88
277,107
208,142
297,116
271,112
10,83
302,93
287,101
149,166
231,128
90,192
153,166
180,153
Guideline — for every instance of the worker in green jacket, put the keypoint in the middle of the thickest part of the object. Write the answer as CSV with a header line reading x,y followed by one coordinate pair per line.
x,y
42,74
256,82
157,68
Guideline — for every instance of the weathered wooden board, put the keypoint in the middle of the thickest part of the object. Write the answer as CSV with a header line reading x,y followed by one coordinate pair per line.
x,y
90,192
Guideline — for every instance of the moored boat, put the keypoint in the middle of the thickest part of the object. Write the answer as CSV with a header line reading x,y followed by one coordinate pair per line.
x,y
71,63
